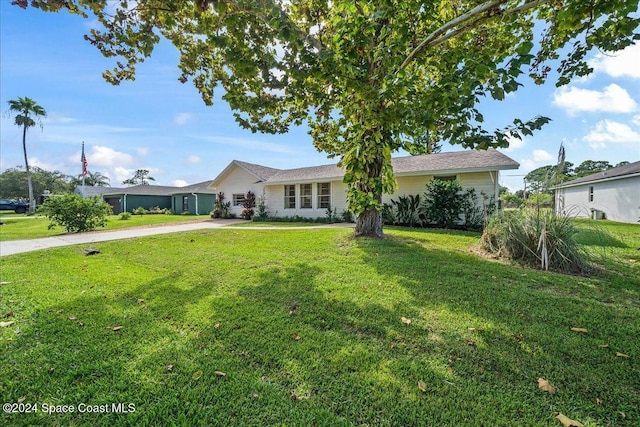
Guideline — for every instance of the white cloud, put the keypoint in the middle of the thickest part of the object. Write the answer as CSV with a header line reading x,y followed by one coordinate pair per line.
x,y
251,144
182,118
619,64
608,131
515,143
101,156
614,99
193,159
636,120
142,151
178,183
540,158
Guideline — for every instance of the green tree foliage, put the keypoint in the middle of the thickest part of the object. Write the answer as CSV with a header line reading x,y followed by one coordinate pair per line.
x,y
543,178
368,77
589,167
443,202
14,182
93,179
26,111
75,213
140,177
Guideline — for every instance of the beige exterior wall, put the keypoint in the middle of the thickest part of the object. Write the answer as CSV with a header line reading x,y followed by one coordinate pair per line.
x,y
275,200
413,185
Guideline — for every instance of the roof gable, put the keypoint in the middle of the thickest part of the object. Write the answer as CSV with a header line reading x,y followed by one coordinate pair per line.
x,y
261,173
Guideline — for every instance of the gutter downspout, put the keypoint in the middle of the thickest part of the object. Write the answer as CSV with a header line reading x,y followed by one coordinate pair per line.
x,y
124,203
196,196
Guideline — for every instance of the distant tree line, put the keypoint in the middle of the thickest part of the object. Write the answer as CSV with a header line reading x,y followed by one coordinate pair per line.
x,y
13,182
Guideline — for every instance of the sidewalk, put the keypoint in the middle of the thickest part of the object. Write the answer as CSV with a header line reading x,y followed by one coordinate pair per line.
x,y
19,246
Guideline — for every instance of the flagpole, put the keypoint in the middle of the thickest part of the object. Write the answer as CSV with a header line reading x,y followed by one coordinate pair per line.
x,y
83,159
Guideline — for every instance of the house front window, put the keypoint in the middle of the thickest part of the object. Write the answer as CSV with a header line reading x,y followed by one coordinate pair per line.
x,y
305,196
324,195
185,203
289,196
238,199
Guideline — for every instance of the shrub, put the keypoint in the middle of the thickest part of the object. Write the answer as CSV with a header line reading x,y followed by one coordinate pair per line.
x,y
75,213
220,208
248,204
443,203
331,215
125,215
156,210
347,216
140,211
536,237
263,211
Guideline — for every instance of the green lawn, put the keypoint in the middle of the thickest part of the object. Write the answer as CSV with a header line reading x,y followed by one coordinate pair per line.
x,y
19,227
307,327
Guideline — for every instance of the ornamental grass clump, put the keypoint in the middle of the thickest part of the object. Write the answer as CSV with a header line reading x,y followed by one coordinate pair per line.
x,y
536,237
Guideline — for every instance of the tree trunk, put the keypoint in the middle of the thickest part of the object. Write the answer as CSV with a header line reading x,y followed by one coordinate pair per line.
x,y
369,224
32,203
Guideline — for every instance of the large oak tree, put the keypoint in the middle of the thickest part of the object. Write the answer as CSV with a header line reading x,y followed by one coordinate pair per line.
x,y
367,77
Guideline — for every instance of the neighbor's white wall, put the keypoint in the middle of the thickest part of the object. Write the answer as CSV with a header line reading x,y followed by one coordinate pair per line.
x,y
619,200
239,181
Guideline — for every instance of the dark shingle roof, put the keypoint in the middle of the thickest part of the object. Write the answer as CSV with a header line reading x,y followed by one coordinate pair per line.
x,y
261,172
144,190
451,162
619,172
200,187
88,191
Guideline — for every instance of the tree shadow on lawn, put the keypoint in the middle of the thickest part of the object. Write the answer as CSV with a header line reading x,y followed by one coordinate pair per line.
x,y
523,318
299,345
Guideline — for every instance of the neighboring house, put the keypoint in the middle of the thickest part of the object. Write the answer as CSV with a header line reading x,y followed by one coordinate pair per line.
x,y
310,191
145,196
613,194
196,199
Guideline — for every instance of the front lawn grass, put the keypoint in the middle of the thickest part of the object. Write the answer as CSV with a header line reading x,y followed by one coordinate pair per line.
x,y
26,227
313,327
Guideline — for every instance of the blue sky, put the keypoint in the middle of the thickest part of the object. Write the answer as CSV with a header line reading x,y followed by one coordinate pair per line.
x,y
159,124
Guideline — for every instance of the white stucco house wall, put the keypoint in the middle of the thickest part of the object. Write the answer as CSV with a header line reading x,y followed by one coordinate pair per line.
x,y
613,194
309,191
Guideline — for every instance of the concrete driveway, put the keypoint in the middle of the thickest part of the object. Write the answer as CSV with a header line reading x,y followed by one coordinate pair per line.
x,y
20,246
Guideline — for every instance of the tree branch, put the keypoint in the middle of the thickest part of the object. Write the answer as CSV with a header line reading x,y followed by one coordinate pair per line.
x,y
437,37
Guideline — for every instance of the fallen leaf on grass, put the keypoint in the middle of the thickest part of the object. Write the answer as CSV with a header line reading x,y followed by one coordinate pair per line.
x,y
116,328
581,330
5,324
422,386
568,422
519,337
618,354
598,401
72,317
295,336
196,375
9,314
140,301
22,399
603,346
476,329
217,326
405,320
544,385
472,343
220,374
169,367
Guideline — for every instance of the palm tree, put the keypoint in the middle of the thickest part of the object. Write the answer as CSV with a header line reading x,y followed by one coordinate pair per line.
x,y
93,179
25,108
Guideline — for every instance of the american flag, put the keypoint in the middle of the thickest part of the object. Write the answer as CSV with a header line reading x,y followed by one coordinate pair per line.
x,y
84,162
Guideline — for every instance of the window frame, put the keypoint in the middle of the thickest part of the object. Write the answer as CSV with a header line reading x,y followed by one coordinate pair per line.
x,y
289,196
185,203
237,199
324,199
306,196
591,193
